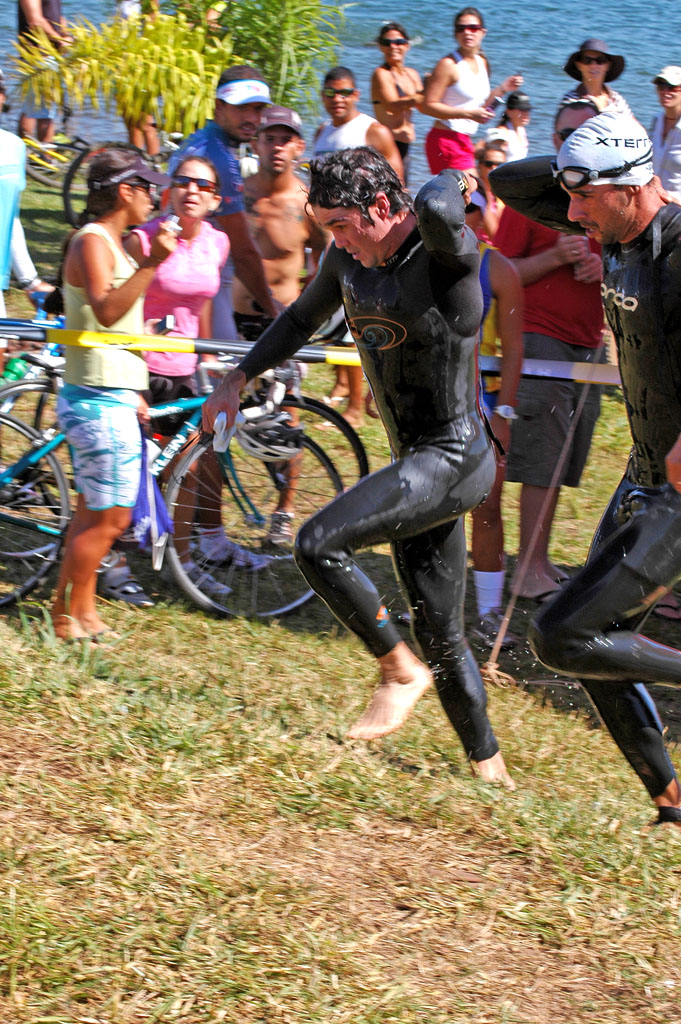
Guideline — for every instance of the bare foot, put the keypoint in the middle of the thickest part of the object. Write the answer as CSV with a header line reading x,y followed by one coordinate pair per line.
x,y
68,628
354,417
93,624
391,705
493,769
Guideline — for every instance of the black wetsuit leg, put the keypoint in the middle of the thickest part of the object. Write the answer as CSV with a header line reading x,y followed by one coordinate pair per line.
x,y
416,504
591,630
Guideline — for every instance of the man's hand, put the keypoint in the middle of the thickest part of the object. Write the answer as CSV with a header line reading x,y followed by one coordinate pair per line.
x,y
673,465
590,270
225,398
572,248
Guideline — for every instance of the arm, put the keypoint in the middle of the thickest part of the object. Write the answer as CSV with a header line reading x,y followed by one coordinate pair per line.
x,y
444,75
205,324
280,341
33,12
529,187
509,84
381,138
89,265
389,106
440,211
568,249
247,259
508,291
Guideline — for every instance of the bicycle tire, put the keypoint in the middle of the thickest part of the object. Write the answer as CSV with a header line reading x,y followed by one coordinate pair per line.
x,y
52,177
248,496
31,401
347,451
36,497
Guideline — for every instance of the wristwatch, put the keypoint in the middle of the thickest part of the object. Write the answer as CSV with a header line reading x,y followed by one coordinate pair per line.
x,y
507,412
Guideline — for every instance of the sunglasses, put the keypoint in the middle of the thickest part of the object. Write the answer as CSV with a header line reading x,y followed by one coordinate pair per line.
x,y
394,42
468,28
491,163
593,60
185,180
578,177
661,85
146,186
330,93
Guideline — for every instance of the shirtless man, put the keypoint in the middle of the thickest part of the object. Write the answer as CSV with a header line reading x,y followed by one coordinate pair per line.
x,y
406,273
278,218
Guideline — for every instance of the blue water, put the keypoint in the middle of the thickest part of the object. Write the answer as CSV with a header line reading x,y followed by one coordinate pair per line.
x,y
534,39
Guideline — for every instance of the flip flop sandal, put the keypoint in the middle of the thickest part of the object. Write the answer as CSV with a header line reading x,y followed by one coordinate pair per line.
x,y
127,590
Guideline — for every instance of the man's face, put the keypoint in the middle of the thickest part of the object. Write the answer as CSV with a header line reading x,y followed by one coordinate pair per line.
x,y
240,122
604,211
341,106
279,148
352,231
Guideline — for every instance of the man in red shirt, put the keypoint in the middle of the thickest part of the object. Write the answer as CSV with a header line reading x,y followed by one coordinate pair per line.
x,y
563,320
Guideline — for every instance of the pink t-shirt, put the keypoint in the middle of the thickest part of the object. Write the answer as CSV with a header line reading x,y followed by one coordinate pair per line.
x,y
180,286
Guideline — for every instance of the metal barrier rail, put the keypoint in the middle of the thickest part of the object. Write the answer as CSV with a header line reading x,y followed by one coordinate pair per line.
x,y
21,330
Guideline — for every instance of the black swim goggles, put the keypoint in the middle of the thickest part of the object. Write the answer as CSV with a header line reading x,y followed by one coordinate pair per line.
x,y
578,177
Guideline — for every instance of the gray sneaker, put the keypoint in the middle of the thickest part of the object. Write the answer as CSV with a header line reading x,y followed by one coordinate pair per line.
x,y
281,529
206,583
218,549
487,628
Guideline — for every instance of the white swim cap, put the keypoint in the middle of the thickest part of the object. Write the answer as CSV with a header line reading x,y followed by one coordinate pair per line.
x,y
607,149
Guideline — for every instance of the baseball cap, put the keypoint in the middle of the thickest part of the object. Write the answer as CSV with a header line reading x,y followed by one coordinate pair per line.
x,y
246,90
138,169
518,101
284,116
671,75
608,149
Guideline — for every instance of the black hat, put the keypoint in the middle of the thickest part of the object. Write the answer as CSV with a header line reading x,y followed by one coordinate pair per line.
x,y
518,101
284,116
616,61
138,169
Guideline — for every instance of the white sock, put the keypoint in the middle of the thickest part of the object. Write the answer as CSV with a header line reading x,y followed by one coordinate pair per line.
x,y
489,589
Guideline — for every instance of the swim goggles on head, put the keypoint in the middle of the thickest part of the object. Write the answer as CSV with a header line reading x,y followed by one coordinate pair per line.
x,y
577,177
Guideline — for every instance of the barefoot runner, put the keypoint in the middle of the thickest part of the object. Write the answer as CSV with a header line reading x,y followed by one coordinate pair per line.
x,y
407,275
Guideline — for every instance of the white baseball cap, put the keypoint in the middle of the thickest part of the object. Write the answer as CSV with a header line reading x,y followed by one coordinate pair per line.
x,y
608,149
671,75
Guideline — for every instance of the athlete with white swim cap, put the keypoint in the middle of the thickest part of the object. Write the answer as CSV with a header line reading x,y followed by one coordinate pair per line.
x,y
603,182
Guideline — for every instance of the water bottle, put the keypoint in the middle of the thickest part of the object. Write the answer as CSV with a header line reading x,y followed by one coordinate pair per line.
x,y
38,299
15,369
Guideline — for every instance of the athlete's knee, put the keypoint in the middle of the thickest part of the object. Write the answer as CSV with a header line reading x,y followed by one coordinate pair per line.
x,y
314,544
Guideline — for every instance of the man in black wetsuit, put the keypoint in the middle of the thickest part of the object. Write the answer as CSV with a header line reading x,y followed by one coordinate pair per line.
x,y
407,275
603,182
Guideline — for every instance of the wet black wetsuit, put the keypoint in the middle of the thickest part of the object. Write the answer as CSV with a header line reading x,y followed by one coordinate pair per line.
x,y
414,320
591,629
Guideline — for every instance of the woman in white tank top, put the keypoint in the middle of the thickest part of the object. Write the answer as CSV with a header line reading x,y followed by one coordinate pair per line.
x,y
459,96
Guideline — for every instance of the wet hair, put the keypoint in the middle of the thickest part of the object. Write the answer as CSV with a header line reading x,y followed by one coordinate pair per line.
x,y
102,198
335,75
206,163
574,105
351,178
469,10
241,73
391,26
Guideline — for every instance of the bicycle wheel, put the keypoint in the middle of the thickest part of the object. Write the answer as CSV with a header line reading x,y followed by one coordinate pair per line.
x,y
49,163
34,509
240,493
332,431
32,401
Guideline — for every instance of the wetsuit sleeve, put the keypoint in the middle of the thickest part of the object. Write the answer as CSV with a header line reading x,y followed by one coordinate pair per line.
x,y
529,187
293,327
441,215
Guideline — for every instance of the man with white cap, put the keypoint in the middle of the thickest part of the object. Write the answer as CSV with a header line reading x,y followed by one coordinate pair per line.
x,y
603,182
241,96
666,130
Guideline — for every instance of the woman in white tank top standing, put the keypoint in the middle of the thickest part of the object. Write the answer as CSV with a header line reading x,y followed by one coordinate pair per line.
x,y
459,96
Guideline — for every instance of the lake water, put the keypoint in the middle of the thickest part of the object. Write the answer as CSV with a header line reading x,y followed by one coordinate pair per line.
x,y
534,39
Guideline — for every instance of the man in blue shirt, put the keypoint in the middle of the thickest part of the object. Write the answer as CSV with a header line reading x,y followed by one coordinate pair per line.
x,y
240,98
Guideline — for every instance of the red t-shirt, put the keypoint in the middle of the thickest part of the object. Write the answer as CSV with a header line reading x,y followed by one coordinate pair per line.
x,y
556,304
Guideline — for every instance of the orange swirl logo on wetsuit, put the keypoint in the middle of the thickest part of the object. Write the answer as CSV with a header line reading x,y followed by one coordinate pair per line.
x,y
380,334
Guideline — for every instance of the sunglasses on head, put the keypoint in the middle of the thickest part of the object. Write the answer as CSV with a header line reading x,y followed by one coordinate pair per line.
x,y
579,177
393,42
330,93
185,180
468,28
593,60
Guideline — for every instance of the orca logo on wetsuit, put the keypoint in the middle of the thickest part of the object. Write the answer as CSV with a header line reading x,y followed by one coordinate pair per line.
x,y
629,302
380,334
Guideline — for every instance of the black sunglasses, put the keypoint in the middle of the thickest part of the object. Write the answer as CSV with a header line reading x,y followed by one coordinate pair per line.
x,y
185,180
330,93
593,60
468,28
393,42
146,186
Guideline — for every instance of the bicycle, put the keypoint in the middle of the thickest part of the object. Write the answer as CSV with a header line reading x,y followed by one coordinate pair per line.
x,y
252,579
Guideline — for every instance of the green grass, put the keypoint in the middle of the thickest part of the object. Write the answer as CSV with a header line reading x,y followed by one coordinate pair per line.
x,y
186,836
